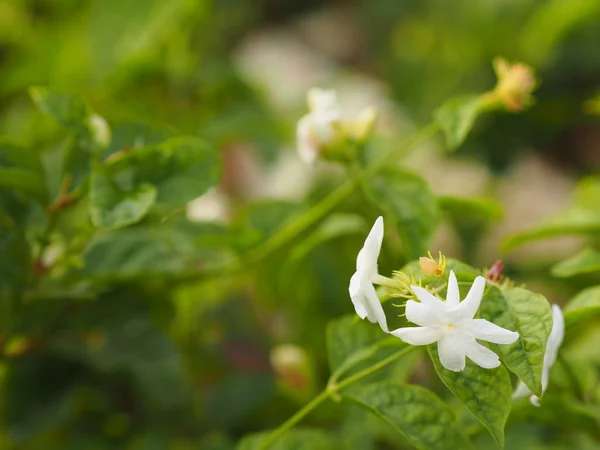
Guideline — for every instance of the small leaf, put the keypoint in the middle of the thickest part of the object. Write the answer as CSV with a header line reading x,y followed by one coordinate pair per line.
x,y
571,222
114,204
470,207
584,305
486,392
456,118
296,439
529,314
409,201
69,109
74,114
127,184
413,411
586,261
23,181
351,341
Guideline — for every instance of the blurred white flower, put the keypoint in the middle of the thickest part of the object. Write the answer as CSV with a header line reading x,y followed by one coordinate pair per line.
x,y
554,341
324,131
318,128
362,292
452,326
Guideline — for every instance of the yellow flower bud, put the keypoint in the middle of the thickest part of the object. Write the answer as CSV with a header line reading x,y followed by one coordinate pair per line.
x,y
431,267
364,124
515,84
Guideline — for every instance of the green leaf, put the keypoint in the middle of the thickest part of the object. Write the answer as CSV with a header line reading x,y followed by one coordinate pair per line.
x,y
181,168
21,171
23,181
69,109
413,411
136,252
409,201
456,118
470,208
334,226
117,203
126,186
351,341
586,261
296,439
584,305
529,314
582,217
486,392
571,222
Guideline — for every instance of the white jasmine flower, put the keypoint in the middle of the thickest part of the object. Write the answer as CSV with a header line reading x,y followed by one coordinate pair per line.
x,y
452,326
554,341
319,127
362,292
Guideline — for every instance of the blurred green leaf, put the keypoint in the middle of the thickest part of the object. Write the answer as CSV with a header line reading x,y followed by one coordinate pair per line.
x,y
295,439
115,203
407,199
126,186
23,181
582,217
586,261
486,392
529,314
456,117
73,113
584,305
414,412
351,341
469,208
334,226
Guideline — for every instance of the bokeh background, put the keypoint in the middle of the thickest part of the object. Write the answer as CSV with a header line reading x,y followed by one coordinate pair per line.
x,y
178,363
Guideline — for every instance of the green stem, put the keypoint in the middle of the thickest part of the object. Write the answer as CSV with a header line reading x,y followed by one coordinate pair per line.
x,y
311,216
331,391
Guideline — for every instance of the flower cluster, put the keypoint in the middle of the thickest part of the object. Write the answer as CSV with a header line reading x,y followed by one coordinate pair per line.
x,y
324,131
450,323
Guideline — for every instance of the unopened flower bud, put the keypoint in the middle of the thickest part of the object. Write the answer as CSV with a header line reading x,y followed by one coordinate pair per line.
x,y
364,124
495,272
290,362
515,84
431,267
100,131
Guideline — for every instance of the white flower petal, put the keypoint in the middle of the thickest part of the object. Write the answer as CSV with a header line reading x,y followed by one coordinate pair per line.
x,y
428,298
305,144
521,391
452,349
469,306
418,335
554,342
367,257
487,331
482,356
356,294
556,336
374,308
320,100
453,294
422,314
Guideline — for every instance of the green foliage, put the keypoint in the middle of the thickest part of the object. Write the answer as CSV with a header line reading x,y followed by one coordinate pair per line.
x,y
486,392
125,187
586,261
529,314
407,199
414,412
456,117
584,305
123,324
298,439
